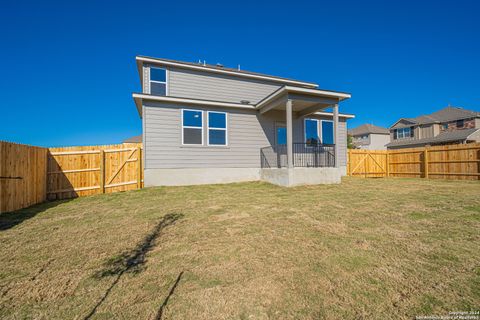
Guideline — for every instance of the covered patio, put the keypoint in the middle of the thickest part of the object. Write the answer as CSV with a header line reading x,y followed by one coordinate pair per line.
x,y
310,161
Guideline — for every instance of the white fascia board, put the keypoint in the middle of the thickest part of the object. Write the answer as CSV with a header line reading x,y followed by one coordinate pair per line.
x,y
319,92
138,97
229,72
330,114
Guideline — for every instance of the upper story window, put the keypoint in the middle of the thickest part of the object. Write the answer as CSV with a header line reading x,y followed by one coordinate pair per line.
x,y
460,123
317,131
158,81
445,126
217,128
403,133
192,127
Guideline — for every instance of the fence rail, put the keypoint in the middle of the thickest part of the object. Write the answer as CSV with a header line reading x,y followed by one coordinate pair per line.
x,y
459,162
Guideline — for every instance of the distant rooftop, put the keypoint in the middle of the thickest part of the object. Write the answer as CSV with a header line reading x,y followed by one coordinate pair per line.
x,y
368,129
444,115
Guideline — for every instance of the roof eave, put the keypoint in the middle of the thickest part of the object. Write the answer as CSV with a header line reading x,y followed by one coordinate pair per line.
x,y
213,70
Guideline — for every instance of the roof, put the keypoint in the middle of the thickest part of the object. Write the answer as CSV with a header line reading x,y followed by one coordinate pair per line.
x,y
368,129
220,69
444,115
134,139
447,136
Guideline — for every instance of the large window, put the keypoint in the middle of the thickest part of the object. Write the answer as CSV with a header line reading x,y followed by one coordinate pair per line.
x,y
311,131
403,133
327,132
217,128
192,127
158,81
319,131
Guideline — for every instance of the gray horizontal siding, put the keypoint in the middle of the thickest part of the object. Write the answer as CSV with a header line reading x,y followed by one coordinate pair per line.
x,y
247,133
208,86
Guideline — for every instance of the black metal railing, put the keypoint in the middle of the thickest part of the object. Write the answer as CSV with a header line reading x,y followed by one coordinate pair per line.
x,y
307,155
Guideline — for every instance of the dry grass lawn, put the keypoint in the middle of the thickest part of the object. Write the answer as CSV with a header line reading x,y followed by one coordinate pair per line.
x,y
365,249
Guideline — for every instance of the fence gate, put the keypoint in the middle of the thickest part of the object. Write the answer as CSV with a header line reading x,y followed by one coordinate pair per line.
x,y
367,164
81,171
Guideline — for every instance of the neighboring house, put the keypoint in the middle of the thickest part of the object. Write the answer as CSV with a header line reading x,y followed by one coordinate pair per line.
x,y
211,124
370,137
450,125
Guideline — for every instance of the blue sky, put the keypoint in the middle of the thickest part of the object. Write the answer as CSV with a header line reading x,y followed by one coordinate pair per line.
x,y
68,68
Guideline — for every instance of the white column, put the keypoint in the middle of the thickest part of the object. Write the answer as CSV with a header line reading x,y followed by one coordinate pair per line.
x,y
289,134
336,134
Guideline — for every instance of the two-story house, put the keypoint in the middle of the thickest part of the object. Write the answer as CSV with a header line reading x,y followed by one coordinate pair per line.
x,y
370,137
210,124
451,125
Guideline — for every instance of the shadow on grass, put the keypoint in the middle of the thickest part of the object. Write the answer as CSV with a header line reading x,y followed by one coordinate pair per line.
x,y
164,304
133,260
9,220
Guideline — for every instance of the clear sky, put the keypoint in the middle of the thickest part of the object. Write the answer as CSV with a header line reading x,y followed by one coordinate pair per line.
x,y
68,67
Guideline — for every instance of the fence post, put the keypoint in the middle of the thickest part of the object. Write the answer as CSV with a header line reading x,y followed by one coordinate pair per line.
x,y
387,166
365,164
139,167
349,161
102,171
425,162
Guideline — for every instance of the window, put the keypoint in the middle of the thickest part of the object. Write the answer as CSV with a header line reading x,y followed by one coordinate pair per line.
x,y
327,132
158,81
403,133
460,124
217,128
192,127
314,133
311,131
445,126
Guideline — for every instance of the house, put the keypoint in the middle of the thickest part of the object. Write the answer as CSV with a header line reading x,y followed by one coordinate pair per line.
x,y
450,125
211,124
370,137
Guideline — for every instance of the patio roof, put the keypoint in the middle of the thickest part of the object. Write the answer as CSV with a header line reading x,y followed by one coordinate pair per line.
x,y
305,101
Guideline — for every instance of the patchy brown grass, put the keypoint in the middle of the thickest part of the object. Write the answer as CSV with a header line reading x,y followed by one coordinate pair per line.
x,y
365,249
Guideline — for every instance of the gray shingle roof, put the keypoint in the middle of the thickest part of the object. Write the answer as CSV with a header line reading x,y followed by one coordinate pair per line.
x,y
447,136
445,115
367,129
135,139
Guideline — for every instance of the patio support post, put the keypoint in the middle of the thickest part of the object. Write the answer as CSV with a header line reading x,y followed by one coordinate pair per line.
x,y
289,134
335,133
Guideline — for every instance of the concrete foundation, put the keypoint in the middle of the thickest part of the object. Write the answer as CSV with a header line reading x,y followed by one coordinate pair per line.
x,y
282,177
301,176
194,176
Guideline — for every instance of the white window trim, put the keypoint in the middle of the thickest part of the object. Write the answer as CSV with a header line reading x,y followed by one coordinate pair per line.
x,y
305,129
213,128
403,133
167,93
191,127
321,132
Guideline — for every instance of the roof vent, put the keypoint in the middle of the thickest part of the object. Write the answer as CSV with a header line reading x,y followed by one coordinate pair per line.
x,y
219,65
244,102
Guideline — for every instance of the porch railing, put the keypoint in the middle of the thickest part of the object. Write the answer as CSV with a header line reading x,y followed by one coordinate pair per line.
x,y
304,155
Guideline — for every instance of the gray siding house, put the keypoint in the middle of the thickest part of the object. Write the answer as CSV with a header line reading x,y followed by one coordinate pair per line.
x,y
370,137
210,124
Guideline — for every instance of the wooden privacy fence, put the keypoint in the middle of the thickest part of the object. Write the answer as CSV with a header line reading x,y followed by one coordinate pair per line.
x,y
460,162
23,175
81,171
30,175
